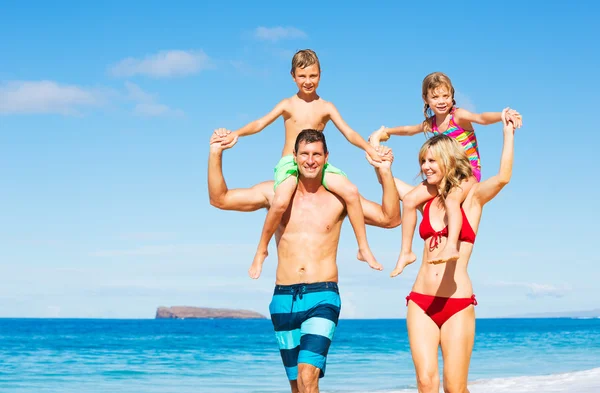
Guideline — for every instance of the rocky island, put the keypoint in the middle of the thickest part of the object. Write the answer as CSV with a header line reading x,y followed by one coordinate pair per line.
x,y
184,312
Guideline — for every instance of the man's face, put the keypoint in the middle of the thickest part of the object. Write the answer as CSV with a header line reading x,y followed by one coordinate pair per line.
x,y
311,158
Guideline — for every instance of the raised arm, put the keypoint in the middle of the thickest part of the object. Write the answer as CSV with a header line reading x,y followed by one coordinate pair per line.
x,y
384,133
260,124
464,118
241,199
351,135
489,188
386,215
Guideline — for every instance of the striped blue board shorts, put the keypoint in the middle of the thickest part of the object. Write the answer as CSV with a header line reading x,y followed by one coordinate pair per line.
x,y
304,317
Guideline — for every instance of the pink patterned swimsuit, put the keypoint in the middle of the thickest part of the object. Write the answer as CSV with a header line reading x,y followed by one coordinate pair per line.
x,y
465,137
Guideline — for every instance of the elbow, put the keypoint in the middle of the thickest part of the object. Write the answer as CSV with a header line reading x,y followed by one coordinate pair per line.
x,y
390,221
393,222
504,181
219,203
504,178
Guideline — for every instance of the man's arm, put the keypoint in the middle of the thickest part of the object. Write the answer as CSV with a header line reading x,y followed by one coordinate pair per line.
x,y
351,135
240,199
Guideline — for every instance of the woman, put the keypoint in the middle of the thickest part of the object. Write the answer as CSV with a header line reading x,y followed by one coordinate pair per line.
x,y
441,304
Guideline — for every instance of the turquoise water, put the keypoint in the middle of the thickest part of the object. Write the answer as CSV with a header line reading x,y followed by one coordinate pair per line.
x,y
79,355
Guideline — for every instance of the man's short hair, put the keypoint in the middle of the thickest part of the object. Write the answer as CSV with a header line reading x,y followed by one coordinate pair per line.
x,y
310,136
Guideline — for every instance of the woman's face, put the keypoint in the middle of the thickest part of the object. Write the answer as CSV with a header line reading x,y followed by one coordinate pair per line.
x,y
431,168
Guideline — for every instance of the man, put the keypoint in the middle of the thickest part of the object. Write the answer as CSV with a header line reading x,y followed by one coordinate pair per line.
x,y
306,303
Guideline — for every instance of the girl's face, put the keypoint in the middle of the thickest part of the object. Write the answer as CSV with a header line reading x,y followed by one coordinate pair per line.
x,y
431,169
439,100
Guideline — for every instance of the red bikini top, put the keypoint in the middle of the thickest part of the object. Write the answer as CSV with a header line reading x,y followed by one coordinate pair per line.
x,y
426,231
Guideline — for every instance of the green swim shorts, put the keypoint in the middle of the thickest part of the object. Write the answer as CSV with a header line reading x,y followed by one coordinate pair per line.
x,y
287,167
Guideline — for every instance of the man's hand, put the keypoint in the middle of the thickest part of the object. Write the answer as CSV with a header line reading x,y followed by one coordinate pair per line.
x,y
386,156
222,139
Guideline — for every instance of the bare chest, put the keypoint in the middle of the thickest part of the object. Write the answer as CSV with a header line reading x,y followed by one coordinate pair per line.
x,y
307,116
316,213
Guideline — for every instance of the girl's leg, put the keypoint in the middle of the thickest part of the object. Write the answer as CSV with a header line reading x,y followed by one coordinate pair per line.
x,y
410,202
454,200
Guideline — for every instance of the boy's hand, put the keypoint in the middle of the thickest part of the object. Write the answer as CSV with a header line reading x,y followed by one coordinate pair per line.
x,y
374,154
218,140
387,157
229,138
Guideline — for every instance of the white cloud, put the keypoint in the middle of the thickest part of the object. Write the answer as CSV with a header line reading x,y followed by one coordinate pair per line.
x,y
275,34
46,97
537,290
163,64
146,103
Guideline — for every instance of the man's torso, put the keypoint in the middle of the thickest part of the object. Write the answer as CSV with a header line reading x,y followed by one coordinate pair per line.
x,y
308,237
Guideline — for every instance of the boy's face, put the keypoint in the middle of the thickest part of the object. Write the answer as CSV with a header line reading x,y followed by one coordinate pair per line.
x,y
307,78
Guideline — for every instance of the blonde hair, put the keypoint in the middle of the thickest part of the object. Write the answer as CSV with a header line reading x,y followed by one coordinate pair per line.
x,y
452,159
305,58
432,82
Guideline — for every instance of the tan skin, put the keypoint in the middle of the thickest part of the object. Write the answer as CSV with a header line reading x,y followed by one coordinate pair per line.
x,y
307,110
308,235
440,100
456,336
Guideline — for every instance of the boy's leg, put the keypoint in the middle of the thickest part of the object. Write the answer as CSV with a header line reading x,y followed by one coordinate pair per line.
x,y
411,201
281,201
341,186
454,200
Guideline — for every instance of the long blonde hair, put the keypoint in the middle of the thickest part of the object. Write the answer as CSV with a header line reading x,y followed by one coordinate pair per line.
x,y
432,82
452,159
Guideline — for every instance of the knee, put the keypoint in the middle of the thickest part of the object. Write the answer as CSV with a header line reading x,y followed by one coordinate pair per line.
x,y
309,379
348,191
280,203
455,387
428,383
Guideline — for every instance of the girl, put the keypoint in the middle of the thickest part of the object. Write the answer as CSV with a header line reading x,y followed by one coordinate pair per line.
x,y
441,117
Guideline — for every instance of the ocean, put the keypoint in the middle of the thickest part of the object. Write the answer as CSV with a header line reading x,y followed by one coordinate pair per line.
x,y
99,355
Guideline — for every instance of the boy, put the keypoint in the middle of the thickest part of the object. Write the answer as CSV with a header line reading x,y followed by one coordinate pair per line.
x,y
306,110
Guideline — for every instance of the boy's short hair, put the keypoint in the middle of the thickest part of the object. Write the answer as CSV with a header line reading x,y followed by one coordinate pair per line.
x,y
305,58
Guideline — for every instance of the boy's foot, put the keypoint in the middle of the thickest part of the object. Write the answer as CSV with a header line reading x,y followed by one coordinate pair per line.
x,y
448,254
257,263
404,260
367,256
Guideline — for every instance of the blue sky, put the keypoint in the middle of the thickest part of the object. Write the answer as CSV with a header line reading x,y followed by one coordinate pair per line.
x,y
106,111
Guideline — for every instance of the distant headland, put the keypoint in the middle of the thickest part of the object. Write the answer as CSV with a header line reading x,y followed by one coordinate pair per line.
x,y
184,312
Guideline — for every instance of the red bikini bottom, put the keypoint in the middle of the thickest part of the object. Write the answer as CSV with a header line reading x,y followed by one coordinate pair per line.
x,y
439,308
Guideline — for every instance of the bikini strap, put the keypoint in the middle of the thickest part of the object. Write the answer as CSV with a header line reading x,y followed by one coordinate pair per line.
x,y
473,299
